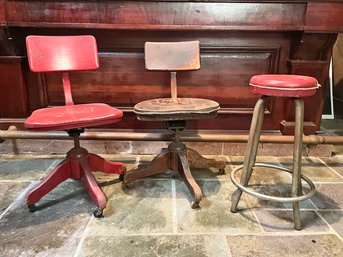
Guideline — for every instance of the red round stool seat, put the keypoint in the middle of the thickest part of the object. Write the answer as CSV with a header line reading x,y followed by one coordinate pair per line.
x,y
284,85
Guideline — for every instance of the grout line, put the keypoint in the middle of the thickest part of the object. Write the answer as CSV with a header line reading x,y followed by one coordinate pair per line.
x,y
316,207
173,186
130,148
228,249
281,209
20,196
290,232
257,220
83,238
327,182
339,175
15,180
324,210
331,229
138,159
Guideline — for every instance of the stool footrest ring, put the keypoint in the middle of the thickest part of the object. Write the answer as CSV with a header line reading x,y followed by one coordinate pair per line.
x,y
269,197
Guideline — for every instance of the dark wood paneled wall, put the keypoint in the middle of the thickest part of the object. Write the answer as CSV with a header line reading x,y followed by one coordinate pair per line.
x,y
238,40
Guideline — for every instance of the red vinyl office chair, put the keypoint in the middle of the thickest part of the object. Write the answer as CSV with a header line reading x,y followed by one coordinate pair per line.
x,y
63,54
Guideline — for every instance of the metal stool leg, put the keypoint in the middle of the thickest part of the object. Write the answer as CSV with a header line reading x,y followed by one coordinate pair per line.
x,y
250,157
297,154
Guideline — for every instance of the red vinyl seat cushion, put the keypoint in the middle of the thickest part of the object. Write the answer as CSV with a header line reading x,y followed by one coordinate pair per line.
x,y
284,85
72,116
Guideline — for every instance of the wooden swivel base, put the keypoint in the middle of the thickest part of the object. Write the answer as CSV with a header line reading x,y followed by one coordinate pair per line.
x,y
179,159
79,164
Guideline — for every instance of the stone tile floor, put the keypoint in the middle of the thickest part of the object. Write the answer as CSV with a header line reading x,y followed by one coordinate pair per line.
x,y
154,218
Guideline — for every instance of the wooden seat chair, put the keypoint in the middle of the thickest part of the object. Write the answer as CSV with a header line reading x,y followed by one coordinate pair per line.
x,y
174,112
63,54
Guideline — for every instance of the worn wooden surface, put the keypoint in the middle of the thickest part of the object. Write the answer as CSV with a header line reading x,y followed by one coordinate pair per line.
x,y
237,39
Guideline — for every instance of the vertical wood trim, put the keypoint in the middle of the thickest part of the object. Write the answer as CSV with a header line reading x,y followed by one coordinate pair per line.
x,y
2,13
13,97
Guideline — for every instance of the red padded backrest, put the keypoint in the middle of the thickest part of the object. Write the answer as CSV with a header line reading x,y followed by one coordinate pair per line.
x,y
62,53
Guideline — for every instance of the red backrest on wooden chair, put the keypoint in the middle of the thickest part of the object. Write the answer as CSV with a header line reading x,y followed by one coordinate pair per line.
x,y
62,53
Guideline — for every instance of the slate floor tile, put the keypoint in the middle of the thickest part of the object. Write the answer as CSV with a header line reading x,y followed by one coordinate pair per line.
x,y
262,175
314,169
265,176
9,191
214,216
328,196
335,162
25,169
54,230
279,190
238,160
285,246
145,207
335,219
155,246
154,218
282,221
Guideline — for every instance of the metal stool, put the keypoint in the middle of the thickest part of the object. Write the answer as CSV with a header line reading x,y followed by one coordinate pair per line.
x,y
295,87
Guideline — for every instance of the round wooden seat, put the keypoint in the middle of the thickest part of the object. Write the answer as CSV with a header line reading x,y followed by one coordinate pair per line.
x,y
176,109
284,85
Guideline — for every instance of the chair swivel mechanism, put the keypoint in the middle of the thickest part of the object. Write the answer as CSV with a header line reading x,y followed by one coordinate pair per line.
x,y
294,87
174,112
63,54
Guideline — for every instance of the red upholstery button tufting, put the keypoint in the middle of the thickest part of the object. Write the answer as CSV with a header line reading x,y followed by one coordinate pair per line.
x,y
284,85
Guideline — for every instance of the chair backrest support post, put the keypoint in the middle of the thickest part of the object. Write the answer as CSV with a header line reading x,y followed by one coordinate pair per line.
x,y
67,89
173,85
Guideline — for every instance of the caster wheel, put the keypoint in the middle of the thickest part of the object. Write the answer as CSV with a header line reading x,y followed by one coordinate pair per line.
x,y
121,177
195,205
32,207
128,185
98,213
221,172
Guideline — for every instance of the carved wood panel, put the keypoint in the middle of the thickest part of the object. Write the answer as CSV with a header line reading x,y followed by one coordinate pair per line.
x,y
14,98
